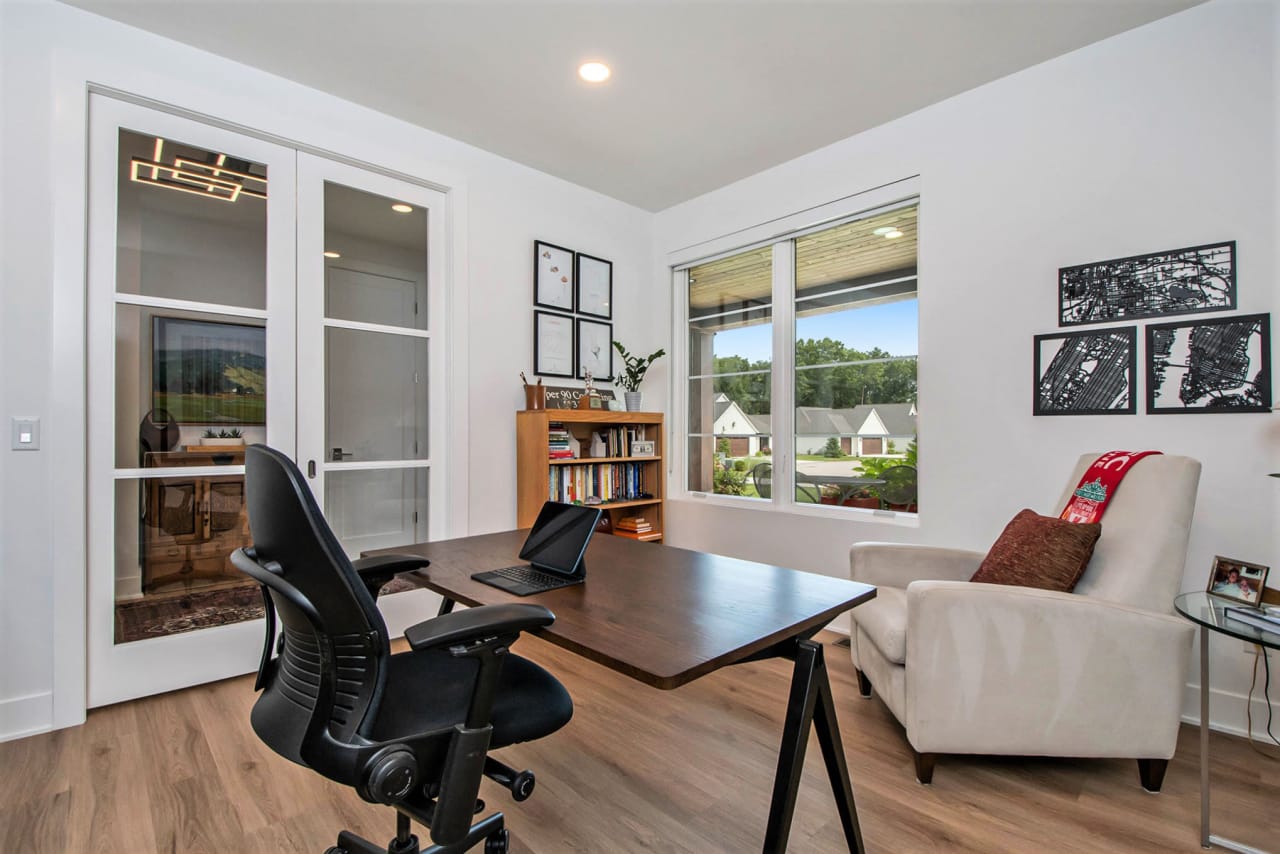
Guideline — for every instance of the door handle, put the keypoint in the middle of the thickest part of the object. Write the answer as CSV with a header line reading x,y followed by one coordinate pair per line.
x,y
338,454
311,469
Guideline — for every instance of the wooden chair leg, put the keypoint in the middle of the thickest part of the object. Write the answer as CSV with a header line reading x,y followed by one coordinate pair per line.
x,y
924,766
864,684
1151,772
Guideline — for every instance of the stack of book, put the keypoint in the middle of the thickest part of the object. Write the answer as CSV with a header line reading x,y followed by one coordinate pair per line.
x,y
636,528
558,442
1268,620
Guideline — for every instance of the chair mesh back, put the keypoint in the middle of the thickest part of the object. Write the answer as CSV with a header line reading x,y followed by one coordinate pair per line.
x,y
315,575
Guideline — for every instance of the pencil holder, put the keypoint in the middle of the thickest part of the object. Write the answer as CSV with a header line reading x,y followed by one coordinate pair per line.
x,y
535,397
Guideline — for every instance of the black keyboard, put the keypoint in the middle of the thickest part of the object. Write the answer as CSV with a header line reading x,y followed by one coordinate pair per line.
x,y
530,576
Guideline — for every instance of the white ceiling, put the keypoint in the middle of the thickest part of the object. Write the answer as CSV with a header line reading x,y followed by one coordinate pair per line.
x,y
704,92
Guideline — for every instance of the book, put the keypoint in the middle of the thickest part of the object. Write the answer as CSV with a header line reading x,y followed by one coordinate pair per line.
x,y
1254,617
632,535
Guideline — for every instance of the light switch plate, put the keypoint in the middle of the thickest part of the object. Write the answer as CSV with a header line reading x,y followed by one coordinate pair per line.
x,y
25,433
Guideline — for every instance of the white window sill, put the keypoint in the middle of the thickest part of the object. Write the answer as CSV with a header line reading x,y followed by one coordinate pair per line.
x,y
826,511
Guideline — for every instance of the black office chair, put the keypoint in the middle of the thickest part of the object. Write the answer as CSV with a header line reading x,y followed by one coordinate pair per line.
x,y
411,730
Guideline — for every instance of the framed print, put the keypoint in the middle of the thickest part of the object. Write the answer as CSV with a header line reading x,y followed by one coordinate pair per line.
x,y
595,285
552,344
1086,373
206,371
1178,281
1238,580
552,276
1221,365
595,350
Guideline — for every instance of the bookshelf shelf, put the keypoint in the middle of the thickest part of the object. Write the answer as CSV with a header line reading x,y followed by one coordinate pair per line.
x,y
540,478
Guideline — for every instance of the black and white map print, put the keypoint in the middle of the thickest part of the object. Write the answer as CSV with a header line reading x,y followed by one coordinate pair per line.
x,y
1210,365
1086,373
1179,281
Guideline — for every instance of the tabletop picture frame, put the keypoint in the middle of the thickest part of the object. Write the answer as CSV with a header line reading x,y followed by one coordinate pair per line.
x,y
594,278
552,344
552,276
1238,581
595,350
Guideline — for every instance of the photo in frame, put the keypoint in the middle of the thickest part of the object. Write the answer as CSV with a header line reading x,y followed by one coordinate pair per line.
x,y
552,344
1177,281
1219,365
595,350
552,276
595,286
1086,373
209,372
1238,580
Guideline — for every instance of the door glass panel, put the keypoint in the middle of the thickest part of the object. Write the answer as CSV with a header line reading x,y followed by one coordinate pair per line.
x,y
377,509
181,376
375,396
375,258
191,223
174,539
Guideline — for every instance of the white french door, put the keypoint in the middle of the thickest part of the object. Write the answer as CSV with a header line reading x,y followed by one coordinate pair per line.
x,y
241,291
191,330
371,360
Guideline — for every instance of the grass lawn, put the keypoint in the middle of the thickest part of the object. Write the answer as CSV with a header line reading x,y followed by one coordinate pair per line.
x,y
822,457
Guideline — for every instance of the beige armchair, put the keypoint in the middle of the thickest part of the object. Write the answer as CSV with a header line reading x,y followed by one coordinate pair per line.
x,y
994,669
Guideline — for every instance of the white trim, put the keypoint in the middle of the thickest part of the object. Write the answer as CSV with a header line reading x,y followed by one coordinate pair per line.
x,y
26,715
783,382
859,205
189,471
856,288
1226,711
375,465
361,326
189,305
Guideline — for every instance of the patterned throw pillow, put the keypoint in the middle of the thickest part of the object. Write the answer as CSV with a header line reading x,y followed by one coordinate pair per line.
x,y
1039,551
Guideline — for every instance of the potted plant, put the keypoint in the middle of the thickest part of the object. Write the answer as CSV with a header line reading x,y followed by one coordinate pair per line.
x,y
225,438
634,369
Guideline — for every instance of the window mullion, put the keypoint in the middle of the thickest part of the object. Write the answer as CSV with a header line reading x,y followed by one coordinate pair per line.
x,y
782,403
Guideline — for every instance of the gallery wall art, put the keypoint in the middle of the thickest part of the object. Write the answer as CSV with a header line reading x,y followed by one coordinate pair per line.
x,y
1086,373
1179,281
1220,365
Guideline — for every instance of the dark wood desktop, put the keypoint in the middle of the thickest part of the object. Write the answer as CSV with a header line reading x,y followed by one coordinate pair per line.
x,y
666,616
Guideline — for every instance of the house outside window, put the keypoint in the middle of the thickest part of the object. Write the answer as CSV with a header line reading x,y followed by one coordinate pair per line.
x,y
828,318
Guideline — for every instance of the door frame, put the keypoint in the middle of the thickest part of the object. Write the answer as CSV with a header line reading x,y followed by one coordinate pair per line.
x,y
74,76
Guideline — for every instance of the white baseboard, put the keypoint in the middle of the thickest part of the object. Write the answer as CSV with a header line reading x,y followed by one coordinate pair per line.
x,y
23,716
1227,711
128,587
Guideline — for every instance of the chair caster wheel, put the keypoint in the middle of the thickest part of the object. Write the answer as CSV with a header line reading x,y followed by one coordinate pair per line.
x,y
522,786
335,850
498,843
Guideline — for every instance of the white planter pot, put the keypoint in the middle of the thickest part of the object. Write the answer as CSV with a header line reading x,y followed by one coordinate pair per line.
x,y
634,400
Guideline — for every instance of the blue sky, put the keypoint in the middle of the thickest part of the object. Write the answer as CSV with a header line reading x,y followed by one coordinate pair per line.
x,y
891,327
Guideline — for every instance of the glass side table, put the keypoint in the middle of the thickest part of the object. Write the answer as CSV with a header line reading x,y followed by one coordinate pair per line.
x,y
1208,613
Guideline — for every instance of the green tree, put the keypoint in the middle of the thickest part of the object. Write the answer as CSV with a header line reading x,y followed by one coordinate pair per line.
x,y
832,448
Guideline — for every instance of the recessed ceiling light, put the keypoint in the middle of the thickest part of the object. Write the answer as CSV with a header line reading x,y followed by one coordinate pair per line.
x,y
893,234
329,253
401,207
883,230
594,72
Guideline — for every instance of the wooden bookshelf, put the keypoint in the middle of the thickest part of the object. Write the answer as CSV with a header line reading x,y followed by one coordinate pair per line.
x,y
535,469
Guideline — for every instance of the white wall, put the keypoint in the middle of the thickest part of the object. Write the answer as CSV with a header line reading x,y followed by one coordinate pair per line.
x,y
1158,138
48,55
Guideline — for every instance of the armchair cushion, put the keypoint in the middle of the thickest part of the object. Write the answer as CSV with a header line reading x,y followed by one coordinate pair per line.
x,y
884,621
1039,551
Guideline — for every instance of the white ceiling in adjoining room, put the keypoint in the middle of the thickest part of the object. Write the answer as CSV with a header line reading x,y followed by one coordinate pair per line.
x,y
702,92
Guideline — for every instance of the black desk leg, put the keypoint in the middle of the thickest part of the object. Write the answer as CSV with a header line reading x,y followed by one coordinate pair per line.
x,y
811,702
446,607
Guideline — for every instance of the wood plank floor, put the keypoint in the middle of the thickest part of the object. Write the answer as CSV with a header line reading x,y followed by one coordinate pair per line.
x,y
637,770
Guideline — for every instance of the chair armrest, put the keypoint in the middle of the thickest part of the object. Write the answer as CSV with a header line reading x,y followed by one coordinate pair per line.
x,y
899,564
1012,670
473,623
377,571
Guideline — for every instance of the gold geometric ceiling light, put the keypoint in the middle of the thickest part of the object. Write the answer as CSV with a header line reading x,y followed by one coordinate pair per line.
x,y
212,180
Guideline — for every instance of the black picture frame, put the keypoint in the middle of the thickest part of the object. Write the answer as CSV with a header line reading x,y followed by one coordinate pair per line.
x,y
1191,280
1212,349
546,352
586,334
588,303
552,263
1063,385
208,371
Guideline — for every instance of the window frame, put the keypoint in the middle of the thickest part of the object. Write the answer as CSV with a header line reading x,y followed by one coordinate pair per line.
x,y
780,234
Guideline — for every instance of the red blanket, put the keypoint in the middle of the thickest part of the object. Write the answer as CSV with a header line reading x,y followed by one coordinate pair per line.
x,y
1093,493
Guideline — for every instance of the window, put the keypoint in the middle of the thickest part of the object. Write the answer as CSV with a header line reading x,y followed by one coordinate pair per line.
x,y
848,345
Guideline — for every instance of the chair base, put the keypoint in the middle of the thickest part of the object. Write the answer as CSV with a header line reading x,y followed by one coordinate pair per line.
x,y
488,830
864,684
924,766
1151,773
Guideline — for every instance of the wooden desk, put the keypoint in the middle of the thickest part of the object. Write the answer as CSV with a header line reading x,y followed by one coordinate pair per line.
x,y
666,616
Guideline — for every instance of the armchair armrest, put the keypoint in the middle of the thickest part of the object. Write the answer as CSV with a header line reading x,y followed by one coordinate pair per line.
x,y
473,623
1013,670
377,571
899,564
